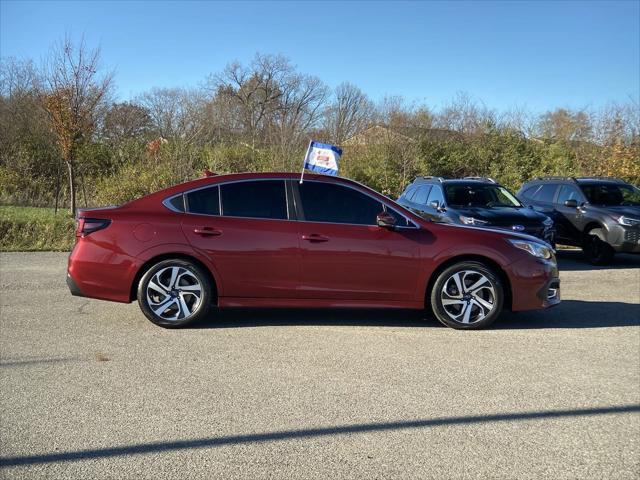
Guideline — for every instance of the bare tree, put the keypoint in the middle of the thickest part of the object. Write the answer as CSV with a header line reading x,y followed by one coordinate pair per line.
x,y
254,91
299,109
349,113
465,115
74,93
126,120
175,112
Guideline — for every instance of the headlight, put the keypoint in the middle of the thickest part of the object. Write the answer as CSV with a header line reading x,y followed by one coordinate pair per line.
x,y
628,221
547,222
534,248
472,221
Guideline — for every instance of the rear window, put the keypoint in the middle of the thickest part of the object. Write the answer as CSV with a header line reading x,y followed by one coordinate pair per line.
x,y
255,199
205,201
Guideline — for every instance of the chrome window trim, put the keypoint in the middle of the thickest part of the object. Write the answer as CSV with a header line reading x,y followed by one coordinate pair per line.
x,y
167,203
244,180
412,226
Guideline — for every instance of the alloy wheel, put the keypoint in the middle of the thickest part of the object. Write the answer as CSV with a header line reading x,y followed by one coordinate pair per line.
x,y
468,296
174,293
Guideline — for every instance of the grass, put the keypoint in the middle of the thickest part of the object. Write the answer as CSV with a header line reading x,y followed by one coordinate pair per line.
x,y
29,229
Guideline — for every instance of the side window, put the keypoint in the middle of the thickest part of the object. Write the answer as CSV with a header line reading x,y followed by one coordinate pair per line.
x,y
323,202
177,203
256,199
401,221
204,201
436,194
546,193
422,194
567,192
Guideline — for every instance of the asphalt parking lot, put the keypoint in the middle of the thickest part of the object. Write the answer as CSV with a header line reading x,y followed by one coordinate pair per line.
x,y
91,389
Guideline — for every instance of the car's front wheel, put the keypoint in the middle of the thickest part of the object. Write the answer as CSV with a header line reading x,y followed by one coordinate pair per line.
x,y
174,293
596,249
467,295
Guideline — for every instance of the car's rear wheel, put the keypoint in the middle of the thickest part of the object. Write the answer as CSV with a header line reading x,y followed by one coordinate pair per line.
x,y
174,293
596,249
467,295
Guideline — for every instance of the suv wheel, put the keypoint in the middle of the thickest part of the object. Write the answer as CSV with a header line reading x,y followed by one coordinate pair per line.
x,y
174,293
596,249
467,295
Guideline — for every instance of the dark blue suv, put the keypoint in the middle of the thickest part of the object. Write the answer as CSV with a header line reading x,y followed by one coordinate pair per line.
x,y
474,201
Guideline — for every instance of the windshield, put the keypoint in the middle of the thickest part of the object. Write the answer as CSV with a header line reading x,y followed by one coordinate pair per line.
x,y
612,195
487,196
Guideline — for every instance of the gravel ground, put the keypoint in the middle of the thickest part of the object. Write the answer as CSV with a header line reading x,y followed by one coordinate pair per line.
x,y
91,389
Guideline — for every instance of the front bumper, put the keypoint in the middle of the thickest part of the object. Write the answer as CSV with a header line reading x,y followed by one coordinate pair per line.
x,y
535,284
624,239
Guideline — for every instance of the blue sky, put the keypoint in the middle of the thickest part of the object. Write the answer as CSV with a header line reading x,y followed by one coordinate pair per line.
x,y
538,55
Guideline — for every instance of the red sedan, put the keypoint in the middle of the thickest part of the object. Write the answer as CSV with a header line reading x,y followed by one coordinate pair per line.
x,y
265,240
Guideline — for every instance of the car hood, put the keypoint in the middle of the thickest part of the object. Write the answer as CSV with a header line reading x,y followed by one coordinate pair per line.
x,y
503,215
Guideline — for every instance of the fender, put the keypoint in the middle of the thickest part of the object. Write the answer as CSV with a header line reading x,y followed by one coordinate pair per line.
x,y
183,249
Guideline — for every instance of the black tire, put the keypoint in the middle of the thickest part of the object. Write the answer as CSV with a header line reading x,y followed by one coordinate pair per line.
x,y
182,293
596,249
493,296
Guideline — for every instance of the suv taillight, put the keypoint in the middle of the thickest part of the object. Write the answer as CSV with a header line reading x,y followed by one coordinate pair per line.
x,y
85,226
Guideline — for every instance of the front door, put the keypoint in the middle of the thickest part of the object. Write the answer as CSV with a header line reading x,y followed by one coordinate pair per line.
x,y
345,255
244,228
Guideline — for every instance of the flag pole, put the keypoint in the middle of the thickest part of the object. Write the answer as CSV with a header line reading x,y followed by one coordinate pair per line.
x,y
305,161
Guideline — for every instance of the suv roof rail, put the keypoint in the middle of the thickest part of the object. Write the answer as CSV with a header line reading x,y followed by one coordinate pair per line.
x,y
613,179
572,179
429,177
489,179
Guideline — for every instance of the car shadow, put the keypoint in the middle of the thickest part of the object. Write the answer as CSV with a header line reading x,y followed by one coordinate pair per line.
x,y
573,260
568,314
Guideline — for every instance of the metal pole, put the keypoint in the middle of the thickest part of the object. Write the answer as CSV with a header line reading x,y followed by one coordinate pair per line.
x,y
305,160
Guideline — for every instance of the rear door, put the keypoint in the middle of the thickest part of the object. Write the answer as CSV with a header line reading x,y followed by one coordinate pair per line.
x,y
246,230
345,255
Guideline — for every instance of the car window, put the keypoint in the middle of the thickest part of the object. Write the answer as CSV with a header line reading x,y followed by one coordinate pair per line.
x,y
204,201
323,202
255,199
435,194
545,193
422,194
530,192
568,192
401,221
177,203
612,194
410,192
479,195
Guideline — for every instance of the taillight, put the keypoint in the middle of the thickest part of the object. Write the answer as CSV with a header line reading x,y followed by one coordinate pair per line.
x,y
86,226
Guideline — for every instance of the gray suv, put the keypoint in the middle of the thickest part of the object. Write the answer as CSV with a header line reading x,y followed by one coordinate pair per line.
x,y
600,215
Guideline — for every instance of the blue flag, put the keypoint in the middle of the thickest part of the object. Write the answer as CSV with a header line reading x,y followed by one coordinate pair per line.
x,y
322,158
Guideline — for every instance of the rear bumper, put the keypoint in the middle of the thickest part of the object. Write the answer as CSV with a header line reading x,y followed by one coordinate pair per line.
x,y
96,272
73,287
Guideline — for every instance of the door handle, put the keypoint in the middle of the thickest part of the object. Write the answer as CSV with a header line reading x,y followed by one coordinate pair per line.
x,y
207,231
314,237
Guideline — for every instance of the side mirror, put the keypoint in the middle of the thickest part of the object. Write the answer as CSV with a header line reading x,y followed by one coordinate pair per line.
x,y
571,203
386,220
435,204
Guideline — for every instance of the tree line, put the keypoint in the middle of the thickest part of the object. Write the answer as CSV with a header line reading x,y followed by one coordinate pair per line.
x,y
65,138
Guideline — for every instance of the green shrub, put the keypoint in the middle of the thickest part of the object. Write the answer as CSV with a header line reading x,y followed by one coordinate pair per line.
x,y
32,229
